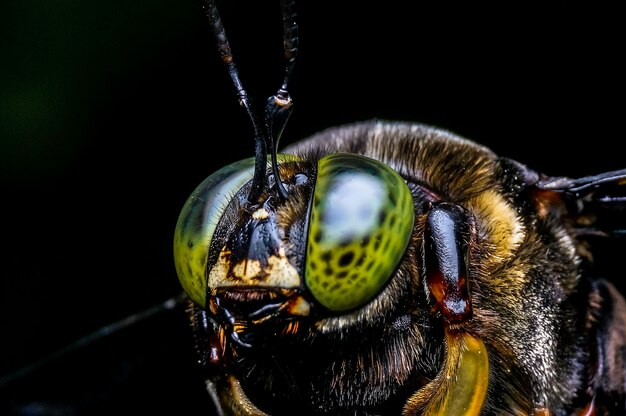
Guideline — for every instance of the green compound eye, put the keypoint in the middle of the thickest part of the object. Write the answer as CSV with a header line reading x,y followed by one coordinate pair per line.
x,y
197,221
361,222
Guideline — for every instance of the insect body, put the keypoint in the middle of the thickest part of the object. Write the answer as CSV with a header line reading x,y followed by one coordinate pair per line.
x,y
389,267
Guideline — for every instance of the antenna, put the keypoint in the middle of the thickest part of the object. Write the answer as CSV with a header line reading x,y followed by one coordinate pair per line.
x,y
278,107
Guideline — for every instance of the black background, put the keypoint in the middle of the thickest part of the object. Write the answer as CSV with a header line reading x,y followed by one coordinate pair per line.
x,y
112,112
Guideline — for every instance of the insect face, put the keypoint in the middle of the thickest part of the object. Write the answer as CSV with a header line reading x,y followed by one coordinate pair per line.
x,y
333,244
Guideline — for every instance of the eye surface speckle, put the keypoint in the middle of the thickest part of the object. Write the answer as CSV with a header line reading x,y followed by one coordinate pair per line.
x,y
361,221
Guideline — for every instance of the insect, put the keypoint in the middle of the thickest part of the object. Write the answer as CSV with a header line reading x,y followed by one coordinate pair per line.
x,y
360,61
387,267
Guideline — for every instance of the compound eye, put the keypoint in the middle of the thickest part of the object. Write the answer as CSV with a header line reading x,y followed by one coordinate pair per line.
x,y
197,221
361,222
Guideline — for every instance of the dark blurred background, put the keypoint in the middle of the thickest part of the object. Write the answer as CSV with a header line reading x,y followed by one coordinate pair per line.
x,y
112,112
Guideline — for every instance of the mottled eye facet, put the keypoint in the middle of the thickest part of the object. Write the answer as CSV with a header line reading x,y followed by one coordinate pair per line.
x,y
361,222
197,221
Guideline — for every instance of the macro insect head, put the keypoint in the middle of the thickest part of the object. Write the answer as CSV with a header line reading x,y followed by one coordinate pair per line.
x,y
388,267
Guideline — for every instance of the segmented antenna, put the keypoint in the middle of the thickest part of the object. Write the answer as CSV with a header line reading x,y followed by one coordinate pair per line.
x,y
278,107
223,46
